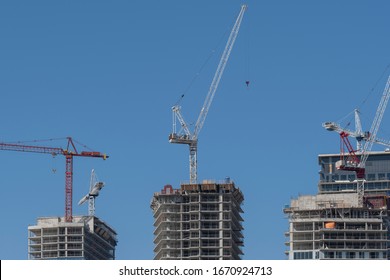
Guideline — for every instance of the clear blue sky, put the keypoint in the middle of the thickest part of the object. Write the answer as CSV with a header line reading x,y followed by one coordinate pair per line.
x,y
108,72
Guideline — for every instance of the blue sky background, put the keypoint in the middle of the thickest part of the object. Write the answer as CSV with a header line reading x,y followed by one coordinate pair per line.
x,y
108,72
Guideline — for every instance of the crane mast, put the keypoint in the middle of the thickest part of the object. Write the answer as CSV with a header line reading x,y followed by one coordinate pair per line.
x,y
187,137
372,136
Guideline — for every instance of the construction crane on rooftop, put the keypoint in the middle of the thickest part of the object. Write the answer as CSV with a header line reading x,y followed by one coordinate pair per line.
x,y
354,161
94,189
358,133
69,153
185,136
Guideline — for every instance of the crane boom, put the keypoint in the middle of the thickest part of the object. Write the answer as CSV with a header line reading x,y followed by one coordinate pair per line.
x,y
358,133
218,74
376,123
187,137
69,153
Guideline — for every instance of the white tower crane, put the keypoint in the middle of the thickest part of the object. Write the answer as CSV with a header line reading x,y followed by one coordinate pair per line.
x,y
353,163
185,136
94,189
358,133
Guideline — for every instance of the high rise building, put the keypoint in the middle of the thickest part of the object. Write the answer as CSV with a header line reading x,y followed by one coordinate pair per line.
x,y
198,222
86,238
332,224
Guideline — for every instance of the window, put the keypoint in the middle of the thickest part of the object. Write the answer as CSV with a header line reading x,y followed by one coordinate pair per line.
x,y
227,243
317,255
195,207
74,230
329,255
303,255
74,239
194,216
374,255
350,255
194,243
226,252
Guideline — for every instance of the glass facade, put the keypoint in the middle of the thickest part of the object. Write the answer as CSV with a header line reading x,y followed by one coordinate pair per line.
x,y
334,180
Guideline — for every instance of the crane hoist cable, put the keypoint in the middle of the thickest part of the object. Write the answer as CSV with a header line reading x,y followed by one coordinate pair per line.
x,y
202,67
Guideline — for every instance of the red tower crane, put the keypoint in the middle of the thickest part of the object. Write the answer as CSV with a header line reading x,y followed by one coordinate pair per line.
x,y
352,161
69,153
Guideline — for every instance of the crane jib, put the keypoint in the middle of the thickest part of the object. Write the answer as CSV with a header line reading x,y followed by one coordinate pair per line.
x,y
187,137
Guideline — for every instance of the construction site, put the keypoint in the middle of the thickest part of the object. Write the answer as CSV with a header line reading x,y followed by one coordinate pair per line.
x,y
332,225
198,222
69,237
349,218
85,238
201,220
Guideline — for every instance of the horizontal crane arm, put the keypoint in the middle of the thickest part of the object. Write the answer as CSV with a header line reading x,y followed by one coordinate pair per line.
x,y
48,150
31,149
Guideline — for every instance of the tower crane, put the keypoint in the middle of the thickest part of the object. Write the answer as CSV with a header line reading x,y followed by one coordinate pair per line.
x,y
94,189
358,133
69,153
185,136
352,162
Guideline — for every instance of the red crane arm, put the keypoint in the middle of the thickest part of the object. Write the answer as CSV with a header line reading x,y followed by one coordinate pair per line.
x,y
51,150
33,149
69,153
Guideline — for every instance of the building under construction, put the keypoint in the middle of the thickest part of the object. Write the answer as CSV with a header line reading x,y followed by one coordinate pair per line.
x,y
86,238
198,222
332,224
